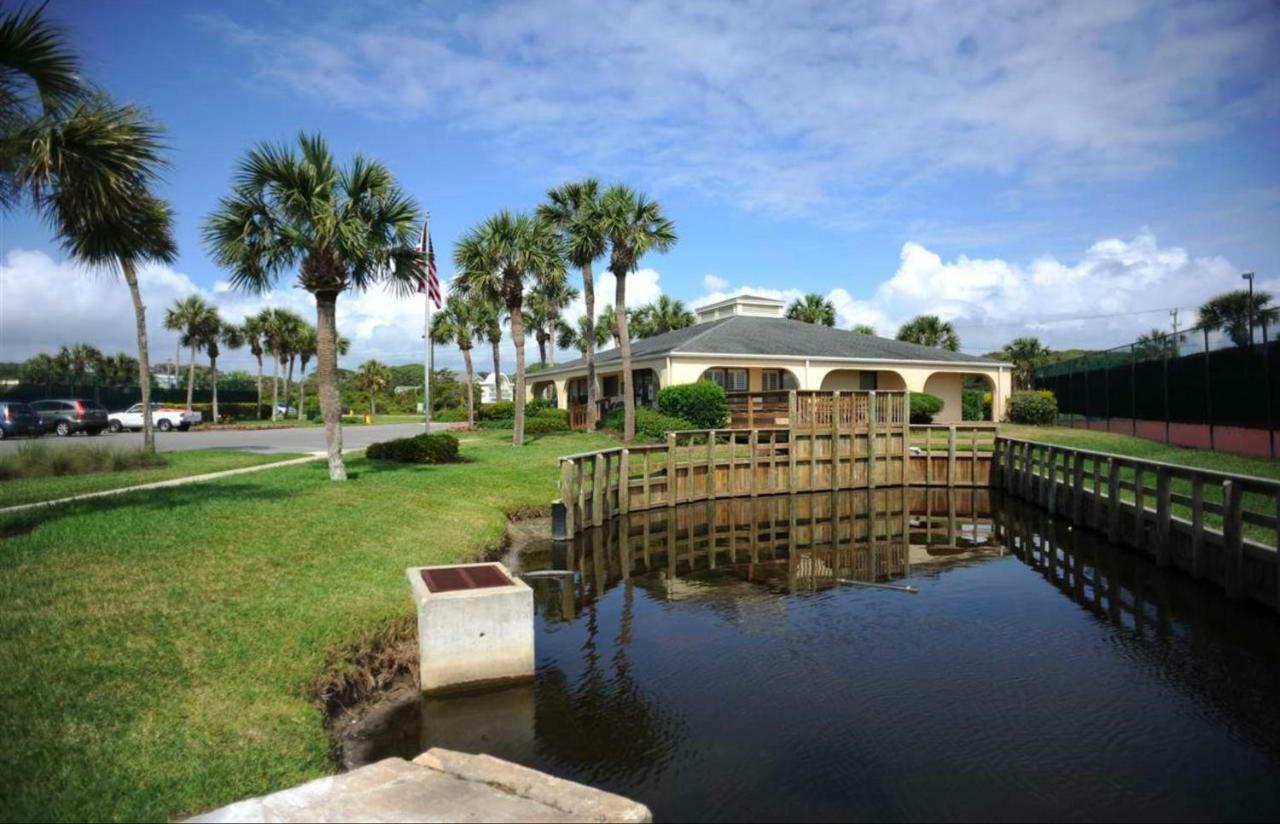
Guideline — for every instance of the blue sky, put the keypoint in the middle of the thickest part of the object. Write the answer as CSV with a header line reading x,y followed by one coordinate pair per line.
x,y
1006,165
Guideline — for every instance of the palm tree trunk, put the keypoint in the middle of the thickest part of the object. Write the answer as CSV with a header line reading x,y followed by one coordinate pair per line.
x,y
177,362
471,381
551,325
517,336
275,384
302,387
541,337
288,386
624,347
191,378
589,300
497,371
213,384
327,377
258,415
144,363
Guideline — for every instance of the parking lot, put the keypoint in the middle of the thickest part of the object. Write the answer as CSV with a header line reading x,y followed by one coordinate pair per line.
x,y
302,439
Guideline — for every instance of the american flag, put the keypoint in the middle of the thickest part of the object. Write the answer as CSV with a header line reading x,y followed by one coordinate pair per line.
x,y
431,284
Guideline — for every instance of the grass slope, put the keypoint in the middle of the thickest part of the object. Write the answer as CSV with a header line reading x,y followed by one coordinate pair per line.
x,y
179,464
160,647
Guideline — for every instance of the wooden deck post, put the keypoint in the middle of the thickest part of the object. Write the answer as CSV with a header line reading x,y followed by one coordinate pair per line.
x,y
624,482
1077,488
1113,500
1233,539
671,469
1199,561
567,496
872,431
835,442
753,444
1139,508
597,491
711,465
951,456
1164,516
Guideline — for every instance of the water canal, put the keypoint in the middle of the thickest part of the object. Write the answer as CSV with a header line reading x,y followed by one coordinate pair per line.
x,y
722,661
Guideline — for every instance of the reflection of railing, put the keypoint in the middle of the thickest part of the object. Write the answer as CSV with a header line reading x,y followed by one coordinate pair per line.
x,y
701,465
1222,527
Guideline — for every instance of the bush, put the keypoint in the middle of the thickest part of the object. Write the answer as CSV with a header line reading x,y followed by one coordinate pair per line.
x,y
651,425
1035,407
452,414
545,424
536,407
924,406
701,405
435,448
501,411
971,404
39,460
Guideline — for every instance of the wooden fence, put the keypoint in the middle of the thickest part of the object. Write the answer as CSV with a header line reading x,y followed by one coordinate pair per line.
x,y
1216,526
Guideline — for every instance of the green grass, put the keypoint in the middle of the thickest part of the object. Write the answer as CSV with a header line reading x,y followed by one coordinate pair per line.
x,y
160,648
172,465
1145,449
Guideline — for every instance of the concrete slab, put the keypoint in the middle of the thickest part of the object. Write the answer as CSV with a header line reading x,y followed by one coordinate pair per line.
x,y
439,785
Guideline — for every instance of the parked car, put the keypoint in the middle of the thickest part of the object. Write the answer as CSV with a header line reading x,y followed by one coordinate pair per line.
x,y
66,417
18,419
164,418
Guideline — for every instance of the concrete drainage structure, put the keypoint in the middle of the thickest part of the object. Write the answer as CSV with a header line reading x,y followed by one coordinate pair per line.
x,y
475,627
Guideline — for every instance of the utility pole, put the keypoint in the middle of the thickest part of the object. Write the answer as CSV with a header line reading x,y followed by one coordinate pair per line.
x,y
1174,313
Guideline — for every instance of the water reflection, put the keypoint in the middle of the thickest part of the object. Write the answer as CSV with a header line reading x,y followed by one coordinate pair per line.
x,y
708,661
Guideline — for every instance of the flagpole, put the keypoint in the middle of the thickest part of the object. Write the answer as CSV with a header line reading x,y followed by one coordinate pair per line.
x,y
429,349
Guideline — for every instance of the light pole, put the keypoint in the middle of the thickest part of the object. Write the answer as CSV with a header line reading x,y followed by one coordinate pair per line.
x,y
1249,277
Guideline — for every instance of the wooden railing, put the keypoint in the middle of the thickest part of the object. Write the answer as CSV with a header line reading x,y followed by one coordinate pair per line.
x,y
577,416
702,465
814,409
1213,525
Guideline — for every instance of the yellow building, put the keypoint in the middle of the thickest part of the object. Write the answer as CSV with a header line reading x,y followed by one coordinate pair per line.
x,y
746,345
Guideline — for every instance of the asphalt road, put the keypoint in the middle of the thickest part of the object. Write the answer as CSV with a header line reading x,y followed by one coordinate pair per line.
x,y
304,439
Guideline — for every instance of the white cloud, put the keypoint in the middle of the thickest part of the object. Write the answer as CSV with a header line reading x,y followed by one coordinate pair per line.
x,y
991,301
791,106
712,283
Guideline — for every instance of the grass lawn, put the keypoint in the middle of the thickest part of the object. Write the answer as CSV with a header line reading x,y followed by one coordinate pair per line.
x,y
176,465
160,648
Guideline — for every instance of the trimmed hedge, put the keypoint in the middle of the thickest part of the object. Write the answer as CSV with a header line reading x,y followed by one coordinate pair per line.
x,y
545,424
1035,407
702,405
651,425
501,411
450,414
924,406
435,448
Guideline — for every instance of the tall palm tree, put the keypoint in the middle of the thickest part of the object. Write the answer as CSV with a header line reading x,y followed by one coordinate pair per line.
x,y
119,370
633,226
279,332
42,370
551,296
537,318
930,330
254,330
609,320
217,335
373,378
292,339
587,337
1234,313
1026,354
307,343
87,164
456,323
191,317
78,362
813,308
662,316
497,259
488,316
345,229
574,209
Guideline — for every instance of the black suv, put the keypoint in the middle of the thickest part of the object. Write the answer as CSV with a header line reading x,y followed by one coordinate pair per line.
x,y
18,419
67,417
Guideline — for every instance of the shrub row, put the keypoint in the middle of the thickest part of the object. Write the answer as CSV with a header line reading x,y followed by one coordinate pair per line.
x,y
435,448
651,425
700,405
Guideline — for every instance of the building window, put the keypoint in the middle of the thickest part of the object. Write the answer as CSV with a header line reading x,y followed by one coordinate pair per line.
x,y
868,381
610,386
732,380
776,380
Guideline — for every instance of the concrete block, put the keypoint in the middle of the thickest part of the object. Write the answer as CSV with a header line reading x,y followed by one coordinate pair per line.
x,y
475,627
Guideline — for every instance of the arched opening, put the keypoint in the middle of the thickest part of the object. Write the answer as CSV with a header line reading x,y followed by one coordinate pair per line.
x,y
544,391
863,380
966,396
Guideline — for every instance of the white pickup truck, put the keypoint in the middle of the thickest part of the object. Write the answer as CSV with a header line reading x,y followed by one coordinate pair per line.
x,y
164,418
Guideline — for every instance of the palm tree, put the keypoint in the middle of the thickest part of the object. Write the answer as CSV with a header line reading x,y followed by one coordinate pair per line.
x,y
863,329
42,370
292,339
215,335
497,259
279,331
537,317
662,316
456,323
87,164
1026,354
930,330
373,378
1234,314
254,330
119,370
609,320
587,337
813,308
633,226
77,363
574,209
191,317
343,228
546,301
307,342
488,317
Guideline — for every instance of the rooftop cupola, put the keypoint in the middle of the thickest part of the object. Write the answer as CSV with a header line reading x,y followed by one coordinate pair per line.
x,y
750,305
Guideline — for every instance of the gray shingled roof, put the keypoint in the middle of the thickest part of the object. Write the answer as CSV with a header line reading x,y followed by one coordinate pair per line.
x,y
746,335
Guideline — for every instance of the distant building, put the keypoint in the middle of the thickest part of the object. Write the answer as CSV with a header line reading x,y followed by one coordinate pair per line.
x,y
490,394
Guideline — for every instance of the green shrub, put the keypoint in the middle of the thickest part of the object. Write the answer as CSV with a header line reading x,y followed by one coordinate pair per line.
x,y
702,405
924,406
1032,406
435,448
451,414
544,424
537,406
651,425
971,405
501,411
